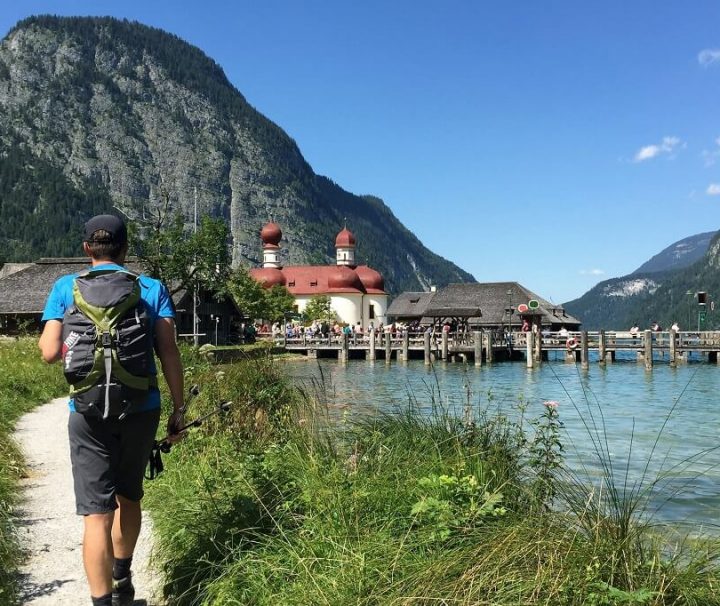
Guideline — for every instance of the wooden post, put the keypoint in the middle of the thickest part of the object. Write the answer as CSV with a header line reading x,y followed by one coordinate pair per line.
x,y
371,345
406,346
444,353
477,342
601,347
426,344
673,348
538,344
489,346
648,349
584,362
388,347
529,342
344,353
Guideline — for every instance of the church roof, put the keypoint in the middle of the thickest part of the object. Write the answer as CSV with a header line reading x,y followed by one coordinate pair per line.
x,y
327,279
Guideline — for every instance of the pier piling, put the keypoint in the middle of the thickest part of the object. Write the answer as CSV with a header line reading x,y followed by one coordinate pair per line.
x,y
477,346
648,350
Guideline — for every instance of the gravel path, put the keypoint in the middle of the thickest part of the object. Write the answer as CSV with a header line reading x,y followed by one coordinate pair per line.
x,y
50,530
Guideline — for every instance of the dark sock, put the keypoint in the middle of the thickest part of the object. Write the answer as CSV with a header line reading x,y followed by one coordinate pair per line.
x,y
121,567
103,600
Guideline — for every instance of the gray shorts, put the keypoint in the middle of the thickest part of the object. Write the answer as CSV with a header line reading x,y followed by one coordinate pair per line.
x,y
109,458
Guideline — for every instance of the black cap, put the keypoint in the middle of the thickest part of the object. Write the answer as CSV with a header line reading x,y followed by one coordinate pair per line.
x,y
113,225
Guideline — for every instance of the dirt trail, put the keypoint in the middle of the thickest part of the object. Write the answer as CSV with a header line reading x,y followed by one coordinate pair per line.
x,y
49,529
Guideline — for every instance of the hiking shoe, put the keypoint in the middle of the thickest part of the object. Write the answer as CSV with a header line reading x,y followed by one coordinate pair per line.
x,y
123,592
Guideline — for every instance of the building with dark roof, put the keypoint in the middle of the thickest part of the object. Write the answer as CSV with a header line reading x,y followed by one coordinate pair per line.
x,y
356,292
482,305
24,288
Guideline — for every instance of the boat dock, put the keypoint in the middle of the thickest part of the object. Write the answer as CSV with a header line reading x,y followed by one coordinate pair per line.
x,y
484,347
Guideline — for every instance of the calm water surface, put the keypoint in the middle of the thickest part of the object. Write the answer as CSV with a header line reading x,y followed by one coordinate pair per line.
x,y
622,407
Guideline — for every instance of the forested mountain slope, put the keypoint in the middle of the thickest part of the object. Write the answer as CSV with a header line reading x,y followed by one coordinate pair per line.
x,y
98,112
665,296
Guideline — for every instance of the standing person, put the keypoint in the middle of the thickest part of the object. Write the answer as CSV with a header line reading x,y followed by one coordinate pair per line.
x,y
109,451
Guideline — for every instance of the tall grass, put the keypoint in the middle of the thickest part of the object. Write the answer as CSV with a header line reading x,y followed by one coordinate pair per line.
x,y
276,505
25,382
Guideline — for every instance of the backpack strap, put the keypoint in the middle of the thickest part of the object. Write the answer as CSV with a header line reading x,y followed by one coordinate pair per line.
x,y
107,356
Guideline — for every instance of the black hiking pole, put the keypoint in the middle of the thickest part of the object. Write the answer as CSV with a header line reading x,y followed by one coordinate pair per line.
x,y
164,445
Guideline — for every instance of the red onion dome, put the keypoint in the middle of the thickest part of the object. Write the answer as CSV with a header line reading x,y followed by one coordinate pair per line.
x,y
268,276
370,278
344,278
345,238
271,233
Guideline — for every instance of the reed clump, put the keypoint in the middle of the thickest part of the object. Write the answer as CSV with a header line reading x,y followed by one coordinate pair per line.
x,y
25,382
282,503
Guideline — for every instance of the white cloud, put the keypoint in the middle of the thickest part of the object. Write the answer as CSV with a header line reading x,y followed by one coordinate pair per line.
x,y
713,189
710,157
592,272
709,56
667,146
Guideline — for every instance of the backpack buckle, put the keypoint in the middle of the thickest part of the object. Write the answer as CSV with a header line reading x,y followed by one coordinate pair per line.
x,y
106,339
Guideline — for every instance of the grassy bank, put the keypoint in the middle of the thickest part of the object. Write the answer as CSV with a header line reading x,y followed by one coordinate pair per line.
x,y
273,505
25,382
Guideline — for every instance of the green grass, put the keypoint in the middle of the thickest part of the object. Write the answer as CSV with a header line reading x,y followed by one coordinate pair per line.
x,y
276,505
25,382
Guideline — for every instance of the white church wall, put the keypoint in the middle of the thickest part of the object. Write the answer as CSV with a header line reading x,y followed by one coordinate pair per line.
x,y
379,303
348,307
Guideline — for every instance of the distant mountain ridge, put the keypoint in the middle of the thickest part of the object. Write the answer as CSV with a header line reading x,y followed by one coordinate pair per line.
x,y
665,291
99,113
682,253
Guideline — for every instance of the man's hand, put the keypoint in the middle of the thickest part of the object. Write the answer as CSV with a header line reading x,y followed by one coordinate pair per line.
x,y
174,424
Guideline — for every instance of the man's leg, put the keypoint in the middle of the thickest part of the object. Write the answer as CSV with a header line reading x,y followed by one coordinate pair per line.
x,y
126,527
98,552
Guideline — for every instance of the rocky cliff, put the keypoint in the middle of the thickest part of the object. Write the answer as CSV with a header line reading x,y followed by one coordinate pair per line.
x,y
97,112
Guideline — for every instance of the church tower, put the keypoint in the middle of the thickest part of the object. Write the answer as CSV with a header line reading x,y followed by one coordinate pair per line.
x,y
345,248
271,234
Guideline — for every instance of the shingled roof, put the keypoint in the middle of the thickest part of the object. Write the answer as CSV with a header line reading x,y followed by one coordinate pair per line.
x,y
481,304
25,291
493,299
409,305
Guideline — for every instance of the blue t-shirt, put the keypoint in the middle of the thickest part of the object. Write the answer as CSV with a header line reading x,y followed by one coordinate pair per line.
x,y
152,292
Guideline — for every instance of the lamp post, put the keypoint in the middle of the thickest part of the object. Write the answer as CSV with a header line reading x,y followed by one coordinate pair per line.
x,y
217,321
690,293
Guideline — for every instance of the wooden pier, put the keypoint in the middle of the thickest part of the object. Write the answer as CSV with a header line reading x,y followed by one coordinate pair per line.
x,y
482,347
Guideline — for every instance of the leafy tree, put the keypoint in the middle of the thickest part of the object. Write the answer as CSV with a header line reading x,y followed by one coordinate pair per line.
x,y
319,308
181,258
279,301
256,301
248,294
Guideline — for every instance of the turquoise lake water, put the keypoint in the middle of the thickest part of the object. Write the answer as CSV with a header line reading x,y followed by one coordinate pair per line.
x,y
620,407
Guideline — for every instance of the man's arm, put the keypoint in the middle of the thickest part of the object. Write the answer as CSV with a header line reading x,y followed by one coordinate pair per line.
x,y
169,355
50,342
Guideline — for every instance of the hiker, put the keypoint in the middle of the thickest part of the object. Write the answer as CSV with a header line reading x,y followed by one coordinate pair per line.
x,y
112,425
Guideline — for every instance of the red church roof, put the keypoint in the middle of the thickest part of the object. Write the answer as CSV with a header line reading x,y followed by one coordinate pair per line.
x,y
323,279
345,238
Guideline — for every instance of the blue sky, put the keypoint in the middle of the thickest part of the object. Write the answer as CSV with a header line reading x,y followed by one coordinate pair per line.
x,y
553,143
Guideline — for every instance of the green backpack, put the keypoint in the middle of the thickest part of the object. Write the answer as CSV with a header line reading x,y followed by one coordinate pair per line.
x,y
107,344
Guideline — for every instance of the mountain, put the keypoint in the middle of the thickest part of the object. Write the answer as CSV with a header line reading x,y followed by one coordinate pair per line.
x,y
97,113
665,296
681,254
